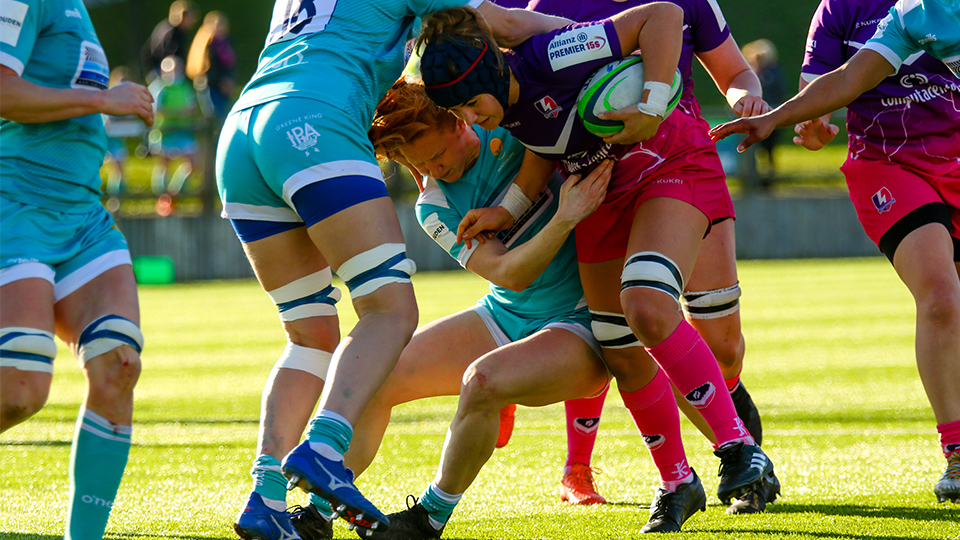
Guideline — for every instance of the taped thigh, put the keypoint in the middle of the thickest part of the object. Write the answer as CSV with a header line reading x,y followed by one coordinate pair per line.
x,y
652,270
612,330
372,269
27,349
309,296
712,304
314,361
107,333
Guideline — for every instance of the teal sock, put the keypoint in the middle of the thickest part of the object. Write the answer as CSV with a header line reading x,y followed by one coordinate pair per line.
x,y
322,505
97,460
269,482
439,505
331,429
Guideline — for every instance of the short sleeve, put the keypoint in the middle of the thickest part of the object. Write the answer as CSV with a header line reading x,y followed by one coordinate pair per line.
x,y
825,49
440,221
892,40
709,27
19,28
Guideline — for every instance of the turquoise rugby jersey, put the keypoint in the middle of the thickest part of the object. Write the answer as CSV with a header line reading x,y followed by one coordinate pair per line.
x,y
53,165
442,205
915,26
345,53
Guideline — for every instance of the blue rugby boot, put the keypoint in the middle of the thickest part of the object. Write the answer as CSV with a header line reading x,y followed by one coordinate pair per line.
x,y
312,472
257,521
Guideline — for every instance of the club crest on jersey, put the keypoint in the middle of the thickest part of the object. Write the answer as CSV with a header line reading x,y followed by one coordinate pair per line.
x,y
586,426
702,395
653,441
548,107
303,138
496,147
883,200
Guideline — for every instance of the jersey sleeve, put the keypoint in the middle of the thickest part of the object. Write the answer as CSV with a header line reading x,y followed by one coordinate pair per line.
x,y
892,41
19,28
424,7
570,54
440,220
825,49
709,27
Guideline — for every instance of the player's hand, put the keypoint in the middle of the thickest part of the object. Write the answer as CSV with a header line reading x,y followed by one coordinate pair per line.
x,y
481,223
750,105
756,129
814,134
579,198
637,126
129,99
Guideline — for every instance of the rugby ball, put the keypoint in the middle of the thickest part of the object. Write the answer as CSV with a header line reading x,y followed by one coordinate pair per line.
x,y
614,86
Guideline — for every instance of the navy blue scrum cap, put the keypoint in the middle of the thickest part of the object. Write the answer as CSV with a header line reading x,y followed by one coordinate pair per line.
x,y
475,71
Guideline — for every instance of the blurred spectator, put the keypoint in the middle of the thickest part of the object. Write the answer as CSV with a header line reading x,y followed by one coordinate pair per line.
x,y
763,59
210,65
119,129
172,137
168,38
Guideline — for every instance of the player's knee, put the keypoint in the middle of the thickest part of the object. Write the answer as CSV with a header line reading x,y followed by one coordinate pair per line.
x,y
30,352
315,332
651,284
712,304
940,307
21,403
307,307
109,349
368,275
479,391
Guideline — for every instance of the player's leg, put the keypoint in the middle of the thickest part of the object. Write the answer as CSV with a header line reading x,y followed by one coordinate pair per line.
x,y
583,420
664,241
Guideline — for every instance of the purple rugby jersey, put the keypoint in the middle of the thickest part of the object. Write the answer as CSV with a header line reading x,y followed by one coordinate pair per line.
x,y
704,29
551,69
913,116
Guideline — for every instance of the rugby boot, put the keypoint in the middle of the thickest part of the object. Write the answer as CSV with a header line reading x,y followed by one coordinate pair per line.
x,y
309,523
756,500
257,521
670,510
329,479
507,417
577,487
948,488
410,524
742,468
747,411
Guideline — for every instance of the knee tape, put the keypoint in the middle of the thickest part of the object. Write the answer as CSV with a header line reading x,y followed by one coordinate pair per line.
x,y
652,270
612,330
310,296
108,333
712,304
313,361
372,269
27,349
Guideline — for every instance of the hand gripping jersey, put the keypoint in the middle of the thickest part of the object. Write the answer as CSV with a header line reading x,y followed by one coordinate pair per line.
x,y
920,25
913,116
53,165
442,205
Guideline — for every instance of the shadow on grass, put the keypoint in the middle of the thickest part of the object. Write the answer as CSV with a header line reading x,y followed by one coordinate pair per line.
x,y
941,513
801,534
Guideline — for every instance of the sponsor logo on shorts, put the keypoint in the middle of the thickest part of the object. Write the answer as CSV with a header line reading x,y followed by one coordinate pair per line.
x,y
577,46
496,147
702,395
303,137
883,200
548,107
586,426
667,181
654,441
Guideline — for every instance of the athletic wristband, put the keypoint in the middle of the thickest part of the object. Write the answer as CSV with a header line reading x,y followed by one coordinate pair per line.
x,y
515,202
657,99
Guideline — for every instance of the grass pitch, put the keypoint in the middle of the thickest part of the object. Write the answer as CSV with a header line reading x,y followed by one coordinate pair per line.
x,y
829,362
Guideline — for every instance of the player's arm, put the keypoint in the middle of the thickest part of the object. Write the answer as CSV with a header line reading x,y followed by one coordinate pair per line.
x,y
734,78
657,30
817,133
517,268
512,27
27,103
830,92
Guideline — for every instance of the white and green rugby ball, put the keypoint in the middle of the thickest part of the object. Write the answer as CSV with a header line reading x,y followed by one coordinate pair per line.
x,y
617,85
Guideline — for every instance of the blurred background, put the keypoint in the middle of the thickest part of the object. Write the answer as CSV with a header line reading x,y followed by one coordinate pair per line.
x,y
196,56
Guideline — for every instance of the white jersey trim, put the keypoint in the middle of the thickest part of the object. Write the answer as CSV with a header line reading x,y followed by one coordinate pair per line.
x,y
324,171
886,52
12,62
86,273
233,210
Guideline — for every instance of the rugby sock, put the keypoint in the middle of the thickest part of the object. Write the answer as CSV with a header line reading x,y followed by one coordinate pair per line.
x,y
692,368
322,506
654,411
331,429
439,505
583,419
269,482
949,437
733,383
97,460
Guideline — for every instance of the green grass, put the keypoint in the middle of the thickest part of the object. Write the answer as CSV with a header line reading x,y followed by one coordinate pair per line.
x,y
829,362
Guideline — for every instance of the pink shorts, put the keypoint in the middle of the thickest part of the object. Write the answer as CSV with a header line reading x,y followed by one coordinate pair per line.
x,y
679,162
884,192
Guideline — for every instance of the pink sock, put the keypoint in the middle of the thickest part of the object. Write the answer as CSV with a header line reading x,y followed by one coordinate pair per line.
x,y
654,411
583,419
692,368
949,437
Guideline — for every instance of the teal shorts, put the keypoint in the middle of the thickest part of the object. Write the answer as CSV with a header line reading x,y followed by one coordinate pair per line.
x,y
507,326
293,162
68,250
